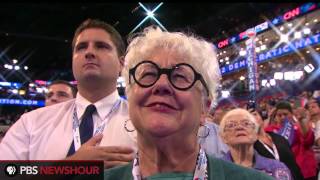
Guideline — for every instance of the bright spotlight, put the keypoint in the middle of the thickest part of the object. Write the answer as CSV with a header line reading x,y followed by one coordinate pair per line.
x,y
242,53
263,47
227,62
257,49
16,68
272,82
290,25
221,60
15,61
264,82
10,67
297,35
309,68
297,75
306,31
26,67
281,28
150,14
289,75
227,58
242,78
6,66
284,38
15,91
225,94
278,75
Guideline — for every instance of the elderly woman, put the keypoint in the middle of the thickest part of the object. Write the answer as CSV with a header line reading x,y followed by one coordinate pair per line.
x,y
169,78
274,146
239,130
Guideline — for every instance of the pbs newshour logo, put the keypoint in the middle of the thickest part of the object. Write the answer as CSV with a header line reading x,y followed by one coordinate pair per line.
x,y
11,170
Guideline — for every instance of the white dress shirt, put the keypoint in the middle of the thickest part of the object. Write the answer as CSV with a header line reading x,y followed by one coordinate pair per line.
x,y
46,133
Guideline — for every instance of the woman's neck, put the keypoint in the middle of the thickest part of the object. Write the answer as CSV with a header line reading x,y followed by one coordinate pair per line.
x,y
242,155
168,156
265,138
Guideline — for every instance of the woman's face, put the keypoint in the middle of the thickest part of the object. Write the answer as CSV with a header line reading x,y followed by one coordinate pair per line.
x,y
238,130
162,110
257,118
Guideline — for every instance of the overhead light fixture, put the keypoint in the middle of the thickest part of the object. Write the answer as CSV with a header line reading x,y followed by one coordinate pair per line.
x,y
257,49
272,82
17,68
290,25
263,47
289,75
242,53
227,58
150,14
227,62
307,24
278,75
281,28
306,31
225,93
264,82
315,20
221,60
297,35
307,52
284,38
242,78
15,61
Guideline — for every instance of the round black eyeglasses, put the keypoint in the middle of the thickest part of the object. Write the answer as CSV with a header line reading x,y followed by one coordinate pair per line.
x,y
182,76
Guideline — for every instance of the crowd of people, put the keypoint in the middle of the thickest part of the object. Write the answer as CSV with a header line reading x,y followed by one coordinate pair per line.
x,y
167,127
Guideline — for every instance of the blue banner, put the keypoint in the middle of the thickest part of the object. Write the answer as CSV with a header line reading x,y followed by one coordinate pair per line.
x,y
22,102
268,55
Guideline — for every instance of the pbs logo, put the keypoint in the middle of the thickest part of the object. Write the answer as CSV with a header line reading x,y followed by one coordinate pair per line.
x,y
11,170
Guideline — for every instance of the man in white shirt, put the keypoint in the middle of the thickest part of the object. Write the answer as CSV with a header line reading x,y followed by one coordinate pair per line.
x,y
59,91
50,132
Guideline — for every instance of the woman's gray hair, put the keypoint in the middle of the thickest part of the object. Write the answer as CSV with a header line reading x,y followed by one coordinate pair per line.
x,y
199,53
238,111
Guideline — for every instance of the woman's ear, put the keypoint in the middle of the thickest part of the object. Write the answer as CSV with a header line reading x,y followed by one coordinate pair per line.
x,y
203,118
121,61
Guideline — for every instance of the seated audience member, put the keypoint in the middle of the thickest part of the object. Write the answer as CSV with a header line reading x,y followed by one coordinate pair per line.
x,y
239,130
299,134
60,91
274,146
170,76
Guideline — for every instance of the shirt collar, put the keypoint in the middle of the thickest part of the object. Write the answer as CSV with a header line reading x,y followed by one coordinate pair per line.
x,y
103,106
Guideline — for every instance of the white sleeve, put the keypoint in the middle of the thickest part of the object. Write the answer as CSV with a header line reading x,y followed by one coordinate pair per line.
x,y
15,144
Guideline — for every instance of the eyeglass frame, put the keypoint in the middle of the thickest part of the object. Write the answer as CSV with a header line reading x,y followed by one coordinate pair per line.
x,y
240,123
168,72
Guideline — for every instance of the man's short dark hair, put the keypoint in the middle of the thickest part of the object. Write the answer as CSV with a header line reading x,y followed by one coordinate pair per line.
x,y
284,105
96,23
73,88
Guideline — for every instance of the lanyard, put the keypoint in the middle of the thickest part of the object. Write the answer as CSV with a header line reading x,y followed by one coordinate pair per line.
x,y
273,151
76,123
199,174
